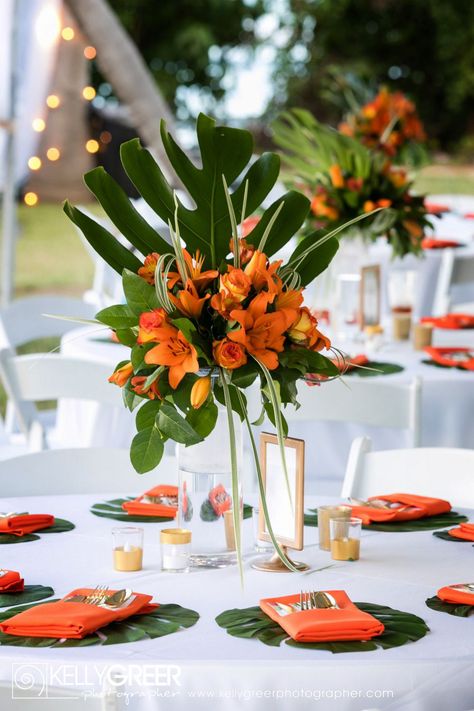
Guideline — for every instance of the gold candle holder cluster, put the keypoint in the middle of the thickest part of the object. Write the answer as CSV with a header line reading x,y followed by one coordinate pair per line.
x,y
325,514
128,548
345,538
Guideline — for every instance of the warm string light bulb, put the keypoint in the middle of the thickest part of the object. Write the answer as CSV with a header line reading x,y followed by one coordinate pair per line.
x,y
88,93
30,199
38,125
92,146
34,163
53,101
67,34
90,52
53,153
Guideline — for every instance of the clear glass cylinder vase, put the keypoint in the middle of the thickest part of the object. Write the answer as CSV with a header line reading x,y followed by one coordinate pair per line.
x,y
205,501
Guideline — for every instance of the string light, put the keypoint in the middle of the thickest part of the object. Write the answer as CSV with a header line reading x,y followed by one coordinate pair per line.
x,y
92,146
53,153
38,125
90,52
67,34
53,101
34,163
30,199
88,93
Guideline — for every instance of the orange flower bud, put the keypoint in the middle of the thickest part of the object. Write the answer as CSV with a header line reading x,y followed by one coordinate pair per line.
x,y
121,375
337,179
200,391
229,354
368,206
151,391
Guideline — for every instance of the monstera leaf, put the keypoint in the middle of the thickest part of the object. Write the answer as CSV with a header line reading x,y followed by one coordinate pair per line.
x,y
226,157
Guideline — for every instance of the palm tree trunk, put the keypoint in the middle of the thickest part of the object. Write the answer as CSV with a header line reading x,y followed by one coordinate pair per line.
x,y
122,65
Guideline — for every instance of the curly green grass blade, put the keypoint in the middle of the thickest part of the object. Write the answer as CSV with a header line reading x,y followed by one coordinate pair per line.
x,y
263,241
233,222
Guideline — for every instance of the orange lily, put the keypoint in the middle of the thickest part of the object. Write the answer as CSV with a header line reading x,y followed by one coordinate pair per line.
x,y
177,353
188,301
262,334
147,272
153,326
194,266
261,275
151,391
121,375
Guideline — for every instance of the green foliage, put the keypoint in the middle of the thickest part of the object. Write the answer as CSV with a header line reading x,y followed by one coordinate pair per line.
x,y
456,609
113,509
61,525
400,628
30,593
429,523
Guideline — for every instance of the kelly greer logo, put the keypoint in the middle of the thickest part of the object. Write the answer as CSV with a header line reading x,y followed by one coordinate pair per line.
x,y
43,680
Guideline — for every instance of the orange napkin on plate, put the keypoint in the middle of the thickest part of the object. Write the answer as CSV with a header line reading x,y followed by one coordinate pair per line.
x,y
455,594
452,357
328,625
25,523
411,507
154,502
464,531
71,620
450,321
434,208
429,243
11,581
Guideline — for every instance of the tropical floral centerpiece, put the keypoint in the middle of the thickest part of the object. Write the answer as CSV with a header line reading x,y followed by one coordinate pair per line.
x,y
388,123
209,304
343,179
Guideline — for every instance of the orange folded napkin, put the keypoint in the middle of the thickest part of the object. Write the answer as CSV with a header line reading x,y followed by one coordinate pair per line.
x,y
429,243
11,581
464,531
328,625
433,208
450,321
162,500
458,593
452,357
405,507
72,620
25,523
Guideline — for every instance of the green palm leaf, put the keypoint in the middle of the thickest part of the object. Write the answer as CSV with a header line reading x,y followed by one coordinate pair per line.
x,y
421,524
60,526
435,603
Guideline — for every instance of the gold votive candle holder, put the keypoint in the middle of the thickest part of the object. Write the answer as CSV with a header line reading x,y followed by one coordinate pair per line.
x,y
401,324
345,538
128,548
175,550
325,513
422,336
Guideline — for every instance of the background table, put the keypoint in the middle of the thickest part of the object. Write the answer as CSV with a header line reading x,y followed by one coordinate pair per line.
x,y
400,570
447,411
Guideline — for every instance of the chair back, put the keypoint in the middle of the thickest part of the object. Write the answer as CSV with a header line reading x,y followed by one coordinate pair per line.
x,y
456,272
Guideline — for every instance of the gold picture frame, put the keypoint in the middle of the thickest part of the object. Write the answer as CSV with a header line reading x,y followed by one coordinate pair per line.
x,y
369,303
288,514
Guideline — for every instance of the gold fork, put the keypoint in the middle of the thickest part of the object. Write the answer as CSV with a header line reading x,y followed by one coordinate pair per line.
x,y
97,596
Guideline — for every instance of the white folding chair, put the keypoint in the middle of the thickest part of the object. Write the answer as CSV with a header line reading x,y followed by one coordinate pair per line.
x,y
80,471
429,471
361,401
29,379
456,272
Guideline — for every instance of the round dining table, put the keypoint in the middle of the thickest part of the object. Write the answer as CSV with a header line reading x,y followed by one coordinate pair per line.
x,y
204,667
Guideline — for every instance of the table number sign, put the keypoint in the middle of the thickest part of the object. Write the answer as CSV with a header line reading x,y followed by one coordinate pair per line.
x,y
369,314
285,507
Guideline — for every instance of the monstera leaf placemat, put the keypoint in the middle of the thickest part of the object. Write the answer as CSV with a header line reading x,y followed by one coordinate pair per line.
x,y
456,609
166,619
30,593
420,524
253,623
113,509
379,368
60,526
446,537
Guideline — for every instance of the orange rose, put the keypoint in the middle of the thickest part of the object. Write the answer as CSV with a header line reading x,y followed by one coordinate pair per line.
x,y
246,250
303,332
177,353
337,179
152,326
228,354
235,285
121,375
200,391
147,272
151,391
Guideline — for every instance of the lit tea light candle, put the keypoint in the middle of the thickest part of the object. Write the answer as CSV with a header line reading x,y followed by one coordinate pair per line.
x,y
128,548
345,538
175,549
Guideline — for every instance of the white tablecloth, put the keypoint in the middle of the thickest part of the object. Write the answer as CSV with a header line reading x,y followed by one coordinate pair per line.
x,y
447,411
213,668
